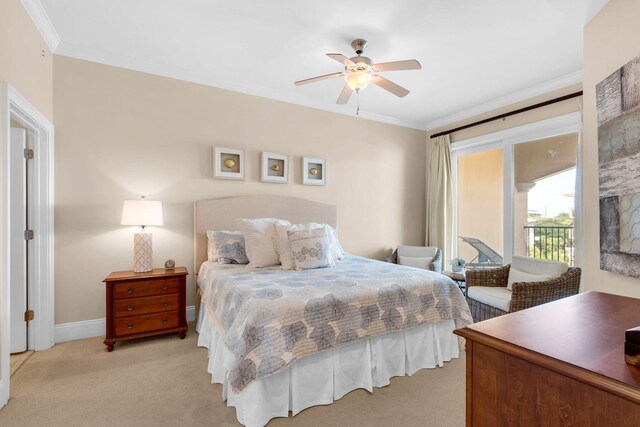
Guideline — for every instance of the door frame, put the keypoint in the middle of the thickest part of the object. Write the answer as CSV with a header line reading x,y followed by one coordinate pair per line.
x,y
506,140
41,289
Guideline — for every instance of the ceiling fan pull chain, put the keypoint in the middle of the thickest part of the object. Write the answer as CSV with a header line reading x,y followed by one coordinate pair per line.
x,y
357,103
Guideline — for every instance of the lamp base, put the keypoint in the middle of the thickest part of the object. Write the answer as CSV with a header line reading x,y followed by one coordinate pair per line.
x,y
142,253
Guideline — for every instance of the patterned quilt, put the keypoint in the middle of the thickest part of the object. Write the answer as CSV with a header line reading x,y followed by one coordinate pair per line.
x,y
271,317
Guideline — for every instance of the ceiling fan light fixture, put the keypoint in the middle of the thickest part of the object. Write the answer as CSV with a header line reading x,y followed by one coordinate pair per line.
x,y
358,79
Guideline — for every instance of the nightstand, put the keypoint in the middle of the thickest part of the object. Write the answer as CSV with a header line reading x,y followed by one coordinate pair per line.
x,y
145,304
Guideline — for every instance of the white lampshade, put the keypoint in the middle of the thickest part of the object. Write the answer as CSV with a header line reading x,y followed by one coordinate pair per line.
x,y
358,79
141,212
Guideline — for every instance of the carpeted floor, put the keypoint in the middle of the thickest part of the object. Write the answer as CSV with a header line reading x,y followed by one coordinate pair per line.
x,y
163,381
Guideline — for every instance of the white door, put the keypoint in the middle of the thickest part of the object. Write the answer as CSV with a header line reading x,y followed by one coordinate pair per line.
x,y
18,221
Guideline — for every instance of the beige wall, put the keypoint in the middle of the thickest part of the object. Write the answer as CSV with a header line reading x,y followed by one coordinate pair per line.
x,y
610,41
480,201
24,67
120,134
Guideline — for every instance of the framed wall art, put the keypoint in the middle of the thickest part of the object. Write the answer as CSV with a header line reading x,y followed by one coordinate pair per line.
x,y
314,171
228,163
618,108
275,168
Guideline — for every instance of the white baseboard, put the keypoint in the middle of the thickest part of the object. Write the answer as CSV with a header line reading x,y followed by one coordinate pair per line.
x,y
94,328
4,393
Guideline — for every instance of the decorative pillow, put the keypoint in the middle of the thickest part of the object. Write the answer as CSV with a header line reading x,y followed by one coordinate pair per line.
x,y
516,275
227,247
259,236
283,247
312,248
422,262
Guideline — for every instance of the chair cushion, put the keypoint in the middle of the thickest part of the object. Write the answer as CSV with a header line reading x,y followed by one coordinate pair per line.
x,y
539,266
422,262
417,251
497,297
516,275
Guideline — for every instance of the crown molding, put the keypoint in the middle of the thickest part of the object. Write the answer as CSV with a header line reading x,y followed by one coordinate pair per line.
x,y
513,98
42,22
178,73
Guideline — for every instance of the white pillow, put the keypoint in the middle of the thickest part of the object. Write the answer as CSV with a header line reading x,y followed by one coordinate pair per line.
x,y
312,248
212,254
422,262
516,275
539,266
259,237
283,246
336,243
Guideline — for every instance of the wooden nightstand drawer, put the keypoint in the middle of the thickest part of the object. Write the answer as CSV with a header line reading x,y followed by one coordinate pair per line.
x,y
145,305
146,323
141,288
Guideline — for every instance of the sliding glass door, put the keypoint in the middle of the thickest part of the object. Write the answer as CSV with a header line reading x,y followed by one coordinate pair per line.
x,y
480,206
514,193
544,198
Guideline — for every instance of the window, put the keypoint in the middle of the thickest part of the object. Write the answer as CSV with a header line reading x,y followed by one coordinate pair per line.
x,y
514,193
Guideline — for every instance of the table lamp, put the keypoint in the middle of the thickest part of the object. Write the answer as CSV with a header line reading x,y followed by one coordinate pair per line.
x,y
143,213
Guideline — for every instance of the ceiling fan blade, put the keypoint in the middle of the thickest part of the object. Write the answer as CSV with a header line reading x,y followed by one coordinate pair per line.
x,y
409,64
341,59
389,86
317,79
345,95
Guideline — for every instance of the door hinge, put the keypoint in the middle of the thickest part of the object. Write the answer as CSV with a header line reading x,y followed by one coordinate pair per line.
x,y
28,153
28,234
29,315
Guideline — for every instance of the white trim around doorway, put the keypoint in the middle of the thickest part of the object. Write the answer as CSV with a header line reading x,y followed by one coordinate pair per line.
x,y
506,139
41,295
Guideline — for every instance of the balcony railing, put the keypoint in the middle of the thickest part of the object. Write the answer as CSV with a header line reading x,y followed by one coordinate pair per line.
x,y
550,242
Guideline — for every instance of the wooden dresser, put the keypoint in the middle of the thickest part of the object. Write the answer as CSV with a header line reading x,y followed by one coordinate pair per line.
x,y
556,364
145,304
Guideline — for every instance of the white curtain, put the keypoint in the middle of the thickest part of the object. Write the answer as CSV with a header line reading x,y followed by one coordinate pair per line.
x,y
439,226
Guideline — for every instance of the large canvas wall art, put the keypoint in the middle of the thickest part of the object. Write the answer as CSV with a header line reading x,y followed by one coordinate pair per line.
x,y
618,106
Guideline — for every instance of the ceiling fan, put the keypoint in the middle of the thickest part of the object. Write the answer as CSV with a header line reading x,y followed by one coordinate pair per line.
x,y
360,70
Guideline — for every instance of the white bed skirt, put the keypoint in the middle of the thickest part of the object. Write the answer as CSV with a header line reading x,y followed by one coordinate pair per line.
x,y
322,378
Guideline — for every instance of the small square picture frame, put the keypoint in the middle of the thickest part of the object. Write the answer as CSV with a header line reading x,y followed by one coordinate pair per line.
x,y
314,171
228,163
275,168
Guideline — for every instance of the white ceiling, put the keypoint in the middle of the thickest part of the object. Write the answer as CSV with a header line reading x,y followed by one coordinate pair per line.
x,y
476,55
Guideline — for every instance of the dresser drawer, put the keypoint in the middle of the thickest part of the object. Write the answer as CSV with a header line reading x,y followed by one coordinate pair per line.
x,y
141,288
146,323
144,305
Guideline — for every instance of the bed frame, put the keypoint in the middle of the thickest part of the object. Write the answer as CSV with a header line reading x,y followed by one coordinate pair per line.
x,y
223,213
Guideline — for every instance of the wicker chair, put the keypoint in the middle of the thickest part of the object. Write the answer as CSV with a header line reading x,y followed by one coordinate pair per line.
x,y
436,263
523,295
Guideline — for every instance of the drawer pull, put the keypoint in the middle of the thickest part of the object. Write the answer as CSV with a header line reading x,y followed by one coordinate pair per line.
x,y
130,307
165,321
165,304
130,326
165,287
130,290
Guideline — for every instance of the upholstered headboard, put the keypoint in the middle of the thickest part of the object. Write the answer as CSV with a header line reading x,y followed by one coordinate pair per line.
x,y
221,214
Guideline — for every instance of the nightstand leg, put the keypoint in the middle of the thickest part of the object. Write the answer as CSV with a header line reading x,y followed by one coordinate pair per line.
x,y
183,334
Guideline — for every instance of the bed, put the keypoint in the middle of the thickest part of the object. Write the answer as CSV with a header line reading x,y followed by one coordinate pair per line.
x,y
282,341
